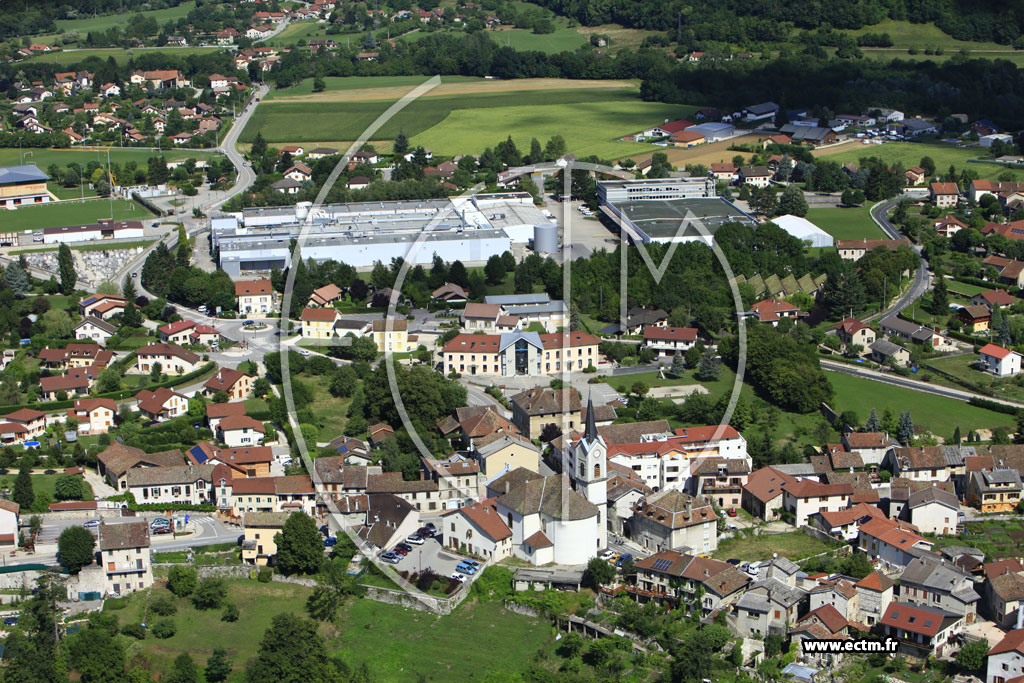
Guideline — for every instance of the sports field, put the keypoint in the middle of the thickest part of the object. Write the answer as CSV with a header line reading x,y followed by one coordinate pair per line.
x,y
909,155
462,117
71,213
62,157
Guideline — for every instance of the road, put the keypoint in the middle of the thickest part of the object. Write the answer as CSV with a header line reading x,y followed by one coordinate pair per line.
x,y
245,176
879,214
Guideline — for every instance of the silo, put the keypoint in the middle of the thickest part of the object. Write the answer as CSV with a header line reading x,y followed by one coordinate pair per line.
x,y
545,238
302,210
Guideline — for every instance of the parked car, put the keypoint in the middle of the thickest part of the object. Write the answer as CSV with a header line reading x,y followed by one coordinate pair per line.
x,y
330,541
458,577
415,539
733,561
731,512
400,551
466,569
606,555
405,547
391,559
162,530
304,352
91,524
622,559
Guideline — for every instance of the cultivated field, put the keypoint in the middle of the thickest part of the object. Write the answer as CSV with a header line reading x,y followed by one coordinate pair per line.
x,y
11,156
467,115
59,214
711,153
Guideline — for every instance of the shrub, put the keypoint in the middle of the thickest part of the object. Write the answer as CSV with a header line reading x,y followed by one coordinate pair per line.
x,y
181,581
230,613
137,631
209,594
163,606
115,603
265,574
164,628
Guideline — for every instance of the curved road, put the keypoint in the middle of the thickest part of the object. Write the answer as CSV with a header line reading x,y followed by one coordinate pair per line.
x,y
879,214
245,176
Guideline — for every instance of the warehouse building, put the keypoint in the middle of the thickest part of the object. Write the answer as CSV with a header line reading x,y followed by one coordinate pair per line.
x,y
803,229
469,229
23,185
104,229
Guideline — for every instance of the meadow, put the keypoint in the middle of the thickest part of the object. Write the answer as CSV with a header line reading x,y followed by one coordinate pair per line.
x,y
846,223
397,644
104,22
11,156
120,55
589,118
59,214
905,35
909,155
562,40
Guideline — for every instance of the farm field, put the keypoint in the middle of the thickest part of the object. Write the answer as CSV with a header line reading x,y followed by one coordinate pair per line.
x,y
465,117
107,21
120,55
935,413
71,213
397,644
622,38
296,31
10,156
400,84
852,223
710,153
909,154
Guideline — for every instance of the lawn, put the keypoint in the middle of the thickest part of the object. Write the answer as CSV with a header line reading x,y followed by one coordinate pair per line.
x,y
961,366
71,213
589,118
794,545
350,83
42,158
935,413
328,411
964,288
520,39
43,483
397,644
909,154
120,55
107,21
850,223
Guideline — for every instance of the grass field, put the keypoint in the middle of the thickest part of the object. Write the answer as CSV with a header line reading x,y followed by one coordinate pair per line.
x,y
333,84
909,154
107,21
296,31
62,157
397,644
589,118
329,412
521,39
71,213
935,413
120,55
43,483
794,545
904,35
853,223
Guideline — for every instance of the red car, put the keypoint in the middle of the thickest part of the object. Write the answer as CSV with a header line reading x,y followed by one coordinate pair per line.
x,y
731,512
162,530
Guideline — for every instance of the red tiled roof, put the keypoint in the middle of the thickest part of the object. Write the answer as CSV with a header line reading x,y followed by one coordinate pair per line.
x,y
323,315
484,515
995,351
670,333
944,188
253,288
914,618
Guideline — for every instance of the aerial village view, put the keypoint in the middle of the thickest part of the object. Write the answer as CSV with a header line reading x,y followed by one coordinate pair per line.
x,y
511,341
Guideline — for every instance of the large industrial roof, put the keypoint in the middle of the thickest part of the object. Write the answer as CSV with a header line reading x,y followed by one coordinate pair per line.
x,y
29,173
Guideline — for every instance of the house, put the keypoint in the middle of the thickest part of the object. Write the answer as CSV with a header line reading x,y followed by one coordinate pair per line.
x,y
915,176
318,323
724,171
240,430
948,226
9,523
720,480
892,326
762,494
102,306
944,194
171,358
389,520
507,452
259,543
922,632
253,461
52,388
814,136
925,463
1000,361
254,297
804,497
273,494
933,510
666,129
884,352
668,340
477,529
773,310
215,412
699,584
974,318
892,543
114,462
760,112
874,593
852,331
33,421
325,296
162,404
671,519
287,186
450,293
1014,230
853,250
124,557
770,606
391,335
825,624
94,415
756,176
990,298
844,524
687,138
237,385
379,433
519,353
941,585
995,490
321,152
176,485
1006,659
95,330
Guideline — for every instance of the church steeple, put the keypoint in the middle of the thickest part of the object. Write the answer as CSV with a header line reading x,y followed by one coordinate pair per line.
x,y
591,432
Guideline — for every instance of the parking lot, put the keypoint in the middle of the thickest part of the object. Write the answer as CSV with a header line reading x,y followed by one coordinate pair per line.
x,y
431,554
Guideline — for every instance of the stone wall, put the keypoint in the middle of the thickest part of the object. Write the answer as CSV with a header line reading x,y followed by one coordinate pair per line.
x,y
416,601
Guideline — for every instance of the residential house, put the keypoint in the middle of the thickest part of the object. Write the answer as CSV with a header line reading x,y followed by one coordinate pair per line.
x,y
450,293
938,584
162,404
1004,592
804,497
720,480
534,409
870,446
1005,660
259,542
318,323
116,460
922,632
102,306
853,250
944,195
273,494
507,452
254,297
94,415
124,557
885,352
391,335
991,298
874,593
174,485
762,494
171,358
9,523
974,318
237,385
773,310
95,330
325,296
933,510
236,431
668,340
699,584
253,461
33,421
519,353
768,607
756,176
479,530
215,412
389,520
72,384
995,490
1001,362
892,326
724,171
671,519
852,331
844,524
892,543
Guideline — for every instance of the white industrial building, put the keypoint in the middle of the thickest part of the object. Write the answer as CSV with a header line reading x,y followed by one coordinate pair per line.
x,y
469,229
803,229
104,229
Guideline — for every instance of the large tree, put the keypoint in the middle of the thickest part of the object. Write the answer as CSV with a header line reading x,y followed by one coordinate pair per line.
x,y
23,493
75,548
97,655
333,587
218,666
300,549
291,652
66,268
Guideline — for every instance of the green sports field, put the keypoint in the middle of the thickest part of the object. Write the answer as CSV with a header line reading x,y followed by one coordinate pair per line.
x,y
62,157
853,223
591,119
70,213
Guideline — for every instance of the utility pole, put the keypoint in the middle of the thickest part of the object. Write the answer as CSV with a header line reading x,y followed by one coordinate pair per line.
x,y
110,177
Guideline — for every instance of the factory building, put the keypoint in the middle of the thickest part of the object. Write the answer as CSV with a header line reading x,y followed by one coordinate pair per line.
x,y
469,229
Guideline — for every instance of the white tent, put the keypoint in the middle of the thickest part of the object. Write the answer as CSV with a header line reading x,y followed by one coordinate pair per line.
x,y
805,230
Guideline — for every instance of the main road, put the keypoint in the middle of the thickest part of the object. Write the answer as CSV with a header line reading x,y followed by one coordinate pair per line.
x,y
880,215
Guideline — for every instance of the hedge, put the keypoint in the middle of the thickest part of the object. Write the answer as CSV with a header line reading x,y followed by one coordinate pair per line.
x,y
150,206
993,406
980,283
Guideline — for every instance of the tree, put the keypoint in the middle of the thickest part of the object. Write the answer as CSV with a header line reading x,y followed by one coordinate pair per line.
x,y
971,656
905,429
68,487
218,666
181,580
873,424
495,270
66,268
131,318
793,201
300,550
940,296
183,670
710,368
928,166
209,593
23,494
458,275
75,547
333,587
291,651
678,365
97,655
16,279
598,573
401,145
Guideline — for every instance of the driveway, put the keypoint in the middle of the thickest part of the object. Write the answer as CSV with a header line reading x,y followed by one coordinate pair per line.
x,y
100,487
431,555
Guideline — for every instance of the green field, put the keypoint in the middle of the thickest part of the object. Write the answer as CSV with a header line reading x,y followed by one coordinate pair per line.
x,y
590,120
905,34
72,213
794,545
521,39
62,157
107,21
397,644
43,484
333,83
852,223
935,413
909,154
72,56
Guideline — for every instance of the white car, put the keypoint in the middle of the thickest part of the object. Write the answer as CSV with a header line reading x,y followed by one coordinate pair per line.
x,y
415,540
606,555
458,577
91,524
304,352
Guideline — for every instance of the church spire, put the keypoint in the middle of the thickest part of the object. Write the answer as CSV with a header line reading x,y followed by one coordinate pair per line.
x,y
591,432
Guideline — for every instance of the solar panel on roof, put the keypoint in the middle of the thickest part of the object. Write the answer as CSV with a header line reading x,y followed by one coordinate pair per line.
x,y
661,565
